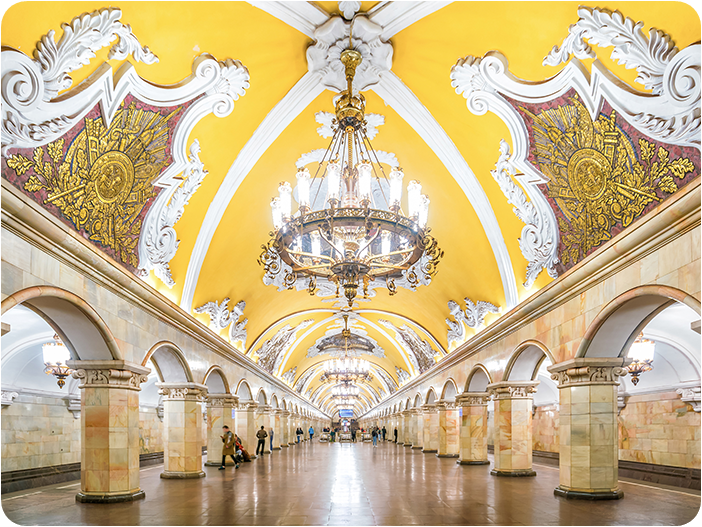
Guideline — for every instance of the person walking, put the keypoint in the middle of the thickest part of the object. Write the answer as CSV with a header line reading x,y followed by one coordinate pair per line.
x,y
311,431
383,431
395,433
262,435
271,434
375,438
298,433
228,448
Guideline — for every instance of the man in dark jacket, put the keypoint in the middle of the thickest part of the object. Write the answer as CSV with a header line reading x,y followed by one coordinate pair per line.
x,y
395,433
383,431
262,435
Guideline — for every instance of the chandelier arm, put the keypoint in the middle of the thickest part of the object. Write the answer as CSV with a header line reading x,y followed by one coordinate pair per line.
x,y
393,253
369,242
333,144
300,253
312,268
330,244
369,148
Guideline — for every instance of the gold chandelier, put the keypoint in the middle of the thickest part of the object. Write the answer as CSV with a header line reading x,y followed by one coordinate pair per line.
x,y
55,355
351,240
346,370
642,351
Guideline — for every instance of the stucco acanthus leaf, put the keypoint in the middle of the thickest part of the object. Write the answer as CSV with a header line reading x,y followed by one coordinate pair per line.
x,y
691,396
331,38
302,382
601,27
81,38
387,380
272,351
8,397
539,240
158,241
348,9
232,83
221,317
419,351
402,375
456,333
289,375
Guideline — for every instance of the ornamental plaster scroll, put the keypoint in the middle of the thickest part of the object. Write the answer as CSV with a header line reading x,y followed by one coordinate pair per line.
x,y
190,392
332,37
271,353
289,375
387,380
419,351
348,9
73,405
473,316
301,384
692,397
402,375
539,240
588,375
158,242
8,397
221,317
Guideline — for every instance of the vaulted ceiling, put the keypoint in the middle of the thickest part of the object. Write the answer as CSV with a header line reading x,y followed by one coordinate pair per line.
x,y
436,139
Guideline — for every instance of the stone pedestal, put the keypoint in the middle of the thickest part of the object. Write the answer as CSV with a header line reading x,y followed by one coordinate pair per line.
x,y
263,418
588,430
430,429
220,407
182,429
246,426
513,402
474,426
407,428
109,461
447,439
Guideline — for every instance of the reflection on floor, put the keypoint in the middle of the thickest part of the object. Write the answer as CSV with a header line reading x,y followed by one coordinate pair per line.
x,y
353,484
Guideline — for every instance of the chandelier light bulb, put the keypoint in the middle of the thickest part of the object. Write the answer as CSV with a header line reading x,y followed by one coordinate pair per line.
x,y
55,353
364,182
423,211
386,241
333,181
303,189
277,213
414,197
642,349
316,242
396,188
285,195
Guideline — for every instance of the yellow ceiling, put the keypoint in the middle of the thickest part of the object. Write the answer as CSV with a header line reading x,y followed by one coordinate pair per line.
x,y
274,54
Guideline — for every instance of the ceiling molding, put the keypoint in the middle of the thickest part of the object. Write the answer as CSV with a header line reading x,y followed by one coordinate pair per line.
x,y
396,16
401,99
303,16
301,95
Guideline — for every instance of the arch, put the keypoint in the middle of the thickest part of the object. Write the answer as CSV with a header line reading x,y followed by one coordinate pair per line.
x,y
274,401
615,328
431,396
261,397
169,362
526,360
216,380
80,327
408,404
417,401
243,390
284,404
449,391
478,379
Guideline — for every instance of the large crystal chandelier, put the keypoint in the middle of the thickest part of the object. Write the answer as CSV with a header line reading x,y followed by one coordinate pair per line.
x,y
357,234
641,351
55,355
346,369
346,390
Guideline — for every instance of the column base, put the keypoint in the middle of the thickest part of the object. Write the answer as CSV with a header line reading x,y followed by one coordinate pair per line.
x,y
284,446
229,463
595,495
406,444
513,473
416,447
182,475
277,448
103,498
430,452
463,462
446,455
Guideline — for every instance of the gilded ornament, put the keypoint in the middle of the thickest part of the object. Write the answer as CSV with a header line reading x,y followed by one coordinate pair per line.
x,y
598,177
106,177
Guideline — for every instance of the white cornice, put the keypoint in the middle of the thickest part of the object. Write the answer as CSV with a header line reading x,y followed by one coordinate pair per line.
x,y
303,16
396,16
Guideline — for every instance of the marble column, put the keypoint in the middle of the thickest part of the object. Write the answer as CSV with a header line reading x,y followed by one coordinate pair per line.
x,y
513,434
418,433
221,410
448,437
275,425
284,429
263,419
109,442
474,428
292,419
182,429
588,428
430,428
246,426
407,428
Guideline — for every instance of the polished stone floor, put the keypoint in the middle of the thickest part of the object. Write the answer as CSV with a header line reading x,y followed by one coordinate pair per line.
x,y
353,484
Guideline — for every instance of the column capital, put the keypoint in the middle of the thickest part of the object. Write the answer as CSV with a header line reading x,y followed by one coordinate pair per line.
x,y
473,398
443,404
406,413
512,389
263,409
182,390
249,406
428,408
222,400
586,371
109,373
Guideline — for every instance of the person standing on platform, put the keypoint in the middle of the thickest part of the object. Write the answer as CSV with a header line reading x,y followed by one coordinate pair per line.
x,y
383,431
395,433
311,431
262,435
375,438
228,448
271,434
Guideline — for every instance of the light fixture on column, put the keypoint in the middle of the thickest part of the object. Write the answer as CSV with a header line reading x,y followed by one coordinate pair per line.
x,y
350,237
55,357
641,352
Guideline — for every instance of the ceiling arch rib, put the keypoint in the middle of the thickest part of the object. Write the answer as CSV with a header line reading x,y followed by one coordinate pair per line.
x,y
396,94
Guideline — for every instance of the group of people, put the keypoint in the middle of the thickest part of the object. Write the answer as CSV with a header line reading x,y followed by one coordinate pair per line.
x,y
377,433
233,447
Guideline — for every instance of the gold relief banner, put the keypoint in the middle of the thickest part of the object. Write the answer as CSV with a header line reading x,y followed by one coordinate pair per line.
x,y
98,179
603,174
